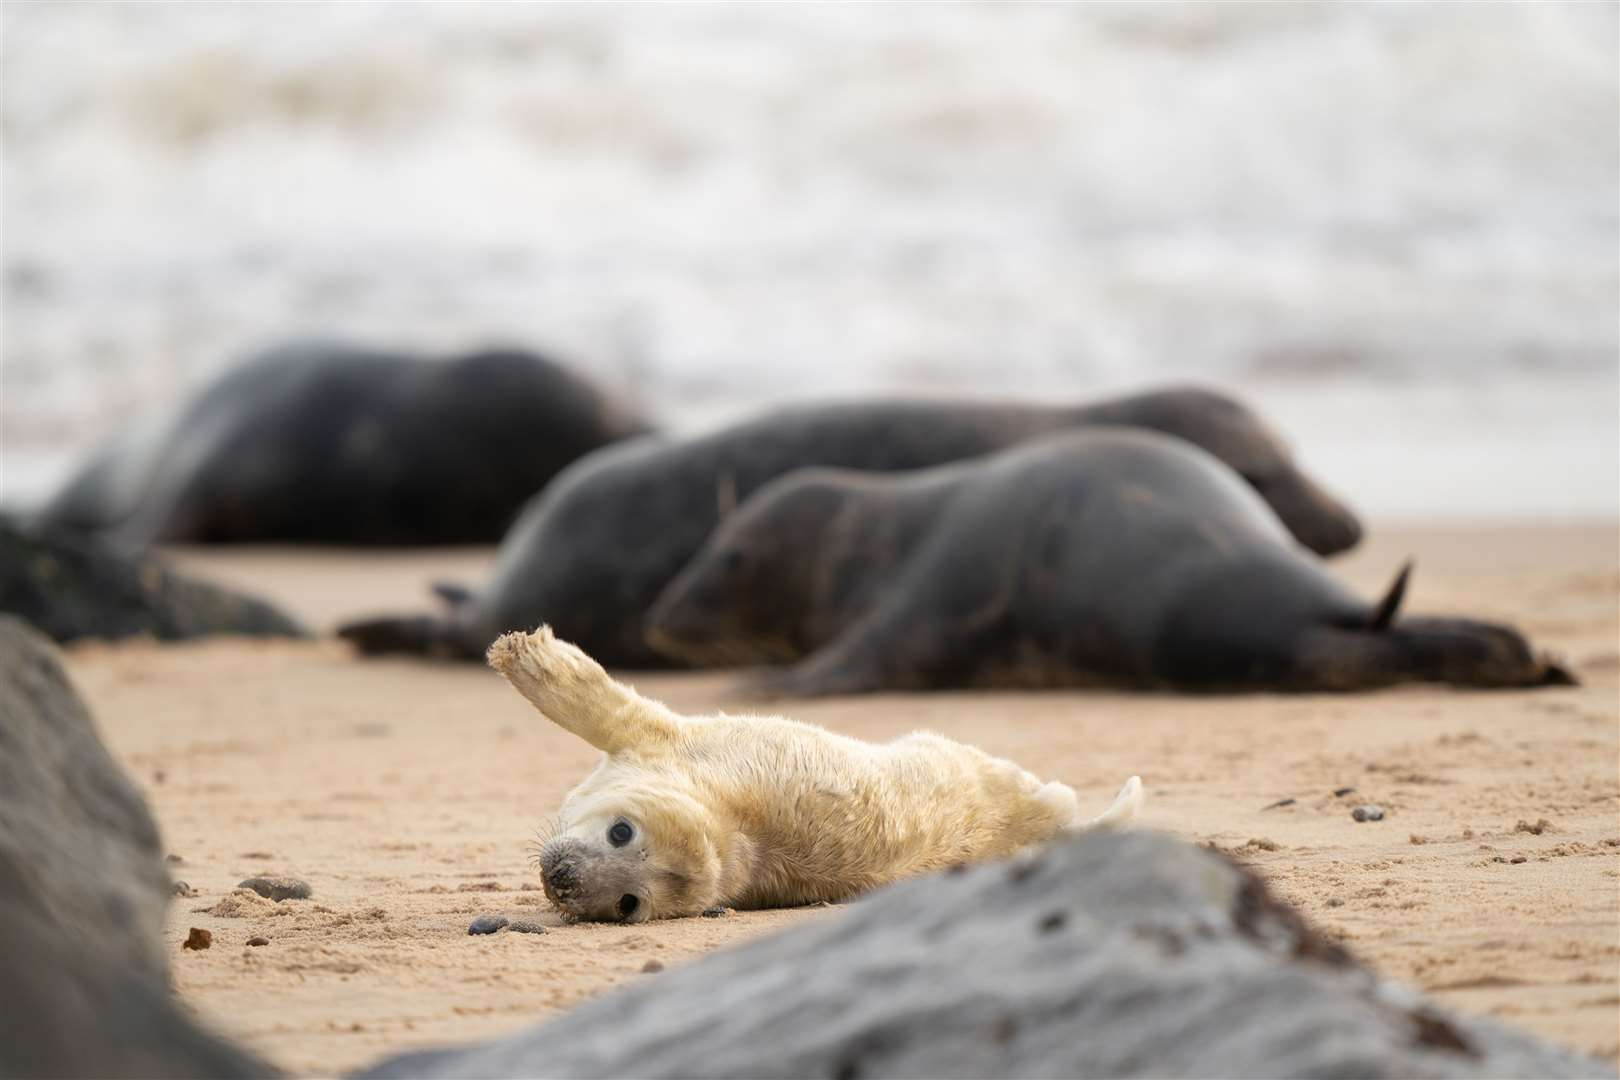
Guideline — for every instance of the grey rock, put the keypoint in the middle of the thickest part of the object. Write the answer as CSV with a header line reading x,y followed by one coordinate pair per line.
x,y
486,924
524,926
71,586
1104,954
83,895
278,888
1370,812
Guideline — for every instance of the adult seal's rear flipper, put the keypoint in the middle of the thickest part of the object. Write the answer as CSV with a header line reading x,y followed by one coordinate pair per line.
x,y
1462,652
453,593
1387,608
412,635
1380,649
1554,673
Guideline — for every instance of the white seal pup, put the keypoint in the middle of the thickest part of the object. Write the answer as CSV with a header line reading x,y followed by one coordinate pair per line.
x,y
688,813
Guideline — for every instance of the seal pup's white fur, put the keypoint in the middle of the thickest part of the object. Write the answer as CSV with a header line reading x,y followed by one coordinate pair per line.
x,y
689,812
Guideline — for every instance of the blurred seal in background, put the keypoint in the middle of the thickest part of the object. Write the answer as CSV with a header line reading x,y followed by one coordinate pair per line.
x,y
591,554
1103,557
331,443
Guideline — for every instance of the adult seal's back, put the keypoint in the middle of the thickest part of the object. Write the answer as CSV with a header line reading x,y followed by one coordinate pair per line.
x,y
592,553
1113,557
332,443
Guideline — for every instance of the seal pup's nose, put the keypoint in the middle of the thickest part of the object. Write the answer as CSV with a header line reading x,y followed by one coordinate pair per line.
x,y
559,870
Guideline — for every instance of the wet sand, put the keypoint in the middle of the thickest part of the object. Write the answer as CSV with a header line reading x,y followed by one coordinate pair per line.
x,y
407,795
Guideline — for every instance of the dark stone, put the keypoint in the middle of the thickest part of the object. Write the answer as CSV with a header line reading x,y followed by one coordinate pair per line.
x,y
652,966
487,924
278,888
1172,961
257,941
84,979
1370,812
198,938
72,586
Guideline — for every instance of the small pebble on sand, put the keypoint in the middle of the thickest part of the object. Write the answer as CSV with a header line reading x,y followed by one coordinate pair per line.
x,y
278,888
487,924
524,926
257,941
1339,793
181,888
1370,812
653,965
197,939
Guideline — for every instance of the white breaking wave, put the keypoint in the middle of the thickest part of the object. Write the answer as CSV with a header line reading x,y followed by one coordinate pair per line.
x,y
1411,208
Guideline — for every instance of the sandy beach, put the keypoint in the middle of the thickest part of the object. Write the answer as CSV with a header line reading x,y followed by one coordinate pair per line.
x,y
407,795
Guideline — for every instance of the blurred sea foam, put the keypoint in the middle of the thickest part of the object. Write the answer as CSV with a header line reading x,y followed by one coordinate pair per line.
x,y
1395,227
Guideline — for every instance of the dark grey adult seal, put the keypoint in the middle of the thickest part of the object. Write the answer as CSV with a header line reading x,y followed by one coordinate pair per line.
x,y
1116,557
593,551
338,444
71,586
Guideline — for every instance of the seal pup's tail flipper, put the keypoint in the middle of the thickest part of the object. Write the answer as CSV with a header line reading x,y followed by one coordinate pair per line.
x,y
413,635
1125,807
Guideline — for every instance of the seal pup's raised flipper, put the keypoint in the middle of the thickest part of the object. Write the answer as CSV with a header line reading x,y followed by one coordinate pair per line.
x,y
576,694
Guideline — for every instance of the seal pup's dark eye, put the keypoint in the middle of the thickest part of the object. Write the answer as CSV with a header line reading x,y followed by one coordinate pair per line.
x,y
620,835
627,905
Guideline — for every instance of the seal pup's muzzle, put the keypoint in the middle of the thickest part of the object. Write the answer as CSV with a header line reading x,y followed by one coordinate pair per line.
x,y
597,886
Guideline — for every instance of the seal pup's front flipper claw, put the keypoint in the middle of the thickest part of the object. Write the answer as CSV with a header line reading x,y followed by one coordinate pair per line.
x,y
1125,807
576,694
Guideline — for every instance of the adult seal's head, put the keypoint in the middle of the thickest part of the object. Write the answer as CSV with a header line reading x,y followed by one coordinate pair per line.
x,y
794,563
